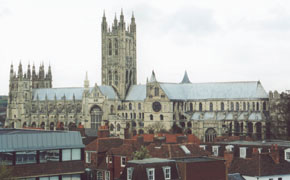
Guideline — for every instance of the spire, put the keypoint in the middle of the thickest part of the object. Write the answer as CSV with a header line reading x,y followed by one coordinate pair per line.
x,y
33,72
49,73
115,20
133,24
11,71
86,82
122,22
153,78
28,72
185,79
104,23
20,72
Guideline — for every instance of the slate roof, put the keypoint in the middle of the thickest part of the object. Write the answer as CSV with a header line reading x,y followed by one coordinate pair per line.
x,y
235,176
218,90
200,91
77,92
24,140
254,116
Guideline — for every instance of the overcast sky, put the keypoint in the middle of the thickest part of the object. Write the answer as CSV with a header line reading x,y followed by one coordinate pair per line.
x,y
215,41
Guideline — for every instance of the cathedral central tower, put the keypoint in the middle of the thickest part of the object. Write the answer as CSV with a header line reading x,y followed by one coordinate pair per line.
x,y
119,55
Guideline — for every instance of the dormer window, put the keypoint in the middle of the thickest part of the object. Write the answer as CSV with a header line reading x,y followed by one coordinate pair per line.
x,y
229,148
243,152
167,172
215,150
150,173
287,154
202,147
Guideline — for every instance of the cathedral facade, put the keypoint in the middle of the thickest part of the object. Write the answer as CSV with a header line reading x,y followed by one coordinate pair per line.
x,y
207,110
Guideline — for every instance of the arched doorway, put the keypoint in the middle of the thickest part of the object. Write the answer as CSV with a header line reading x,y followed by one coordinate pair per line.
x,y
210,135
42,125
24,125
96,117
140,131
33,125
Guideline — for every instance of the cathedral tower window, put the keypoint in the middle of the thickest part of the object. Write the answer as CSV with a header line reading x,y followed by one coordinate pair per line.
x,y
110,47
151,117
110,77
200,106
210,107
237,106
116,78
161,117
210,135
222,106
116,46
156,91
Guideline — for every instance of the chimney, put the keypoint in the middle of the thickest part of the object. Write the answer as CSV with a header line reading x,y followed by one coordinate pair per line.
x,y
103,132
275,154
228,156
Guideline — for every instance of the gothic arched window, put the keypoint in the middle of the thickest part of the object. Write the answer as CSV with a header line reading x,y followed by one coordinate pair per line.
x,y
253,108
248,106
156,91
118,127
232,106
222,106
110,47
191,107
237,106
210,135
110,77
161,117
210,107
258,106
244,106
116,46
130,106
116,78
200,107
96,117
151,117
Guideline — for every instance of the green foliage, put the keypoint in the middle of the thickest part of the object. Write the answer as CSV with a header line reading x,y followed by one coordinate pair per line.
x,y
143,153
5,172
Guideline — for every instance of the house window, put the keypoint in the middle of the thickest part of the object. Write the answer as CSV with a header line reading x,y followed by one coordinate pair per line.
x,y
151,173
215,150
88,157
287,154
243,152
129,173
123,161
70,177
71,154
26,157
107,175
49,178
99,175
167,172
48,156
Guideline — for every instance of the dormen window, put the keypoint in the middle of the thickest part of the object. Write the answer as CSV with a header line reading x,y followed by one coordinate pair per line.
x,y
156,91
243,152
287,154
150,173
129,173
215,150
123,161
167,172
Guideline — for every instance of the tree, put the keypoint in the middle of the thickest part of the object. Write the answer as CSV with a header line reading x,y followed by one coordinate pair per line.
x,y
143,153
157,127
5,172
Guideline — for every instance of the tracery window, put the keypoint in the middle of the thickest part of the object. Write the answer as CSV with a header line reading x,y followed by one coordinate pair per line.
x,y
116,46
110,47
96,117
116,78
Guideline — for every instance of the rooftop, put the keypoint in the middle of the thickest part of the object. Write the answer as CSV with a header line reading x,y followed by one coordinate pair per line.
x,y
151,160
258,143
25,140
196,159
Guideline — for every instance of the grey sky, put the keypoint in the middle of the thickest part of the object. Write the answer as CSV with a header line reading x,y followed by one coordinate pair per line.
x,y
225,40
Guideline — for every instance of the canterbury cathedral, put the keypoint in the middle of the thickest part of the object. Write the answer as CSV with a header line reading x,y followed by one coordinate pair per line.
x,y
207,110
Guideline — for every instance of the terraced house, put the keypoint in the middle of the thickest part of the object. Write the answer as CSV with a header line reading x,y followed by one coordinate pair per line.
x,y
127,108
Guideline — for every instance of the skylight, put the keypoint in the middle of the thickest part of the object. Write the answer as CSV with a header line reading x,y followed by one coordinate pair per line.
x,y
184,148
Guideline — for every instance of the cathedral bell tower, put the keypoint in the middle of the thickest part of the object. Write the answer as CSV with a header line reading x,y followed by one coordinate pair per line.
x,y
119,55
